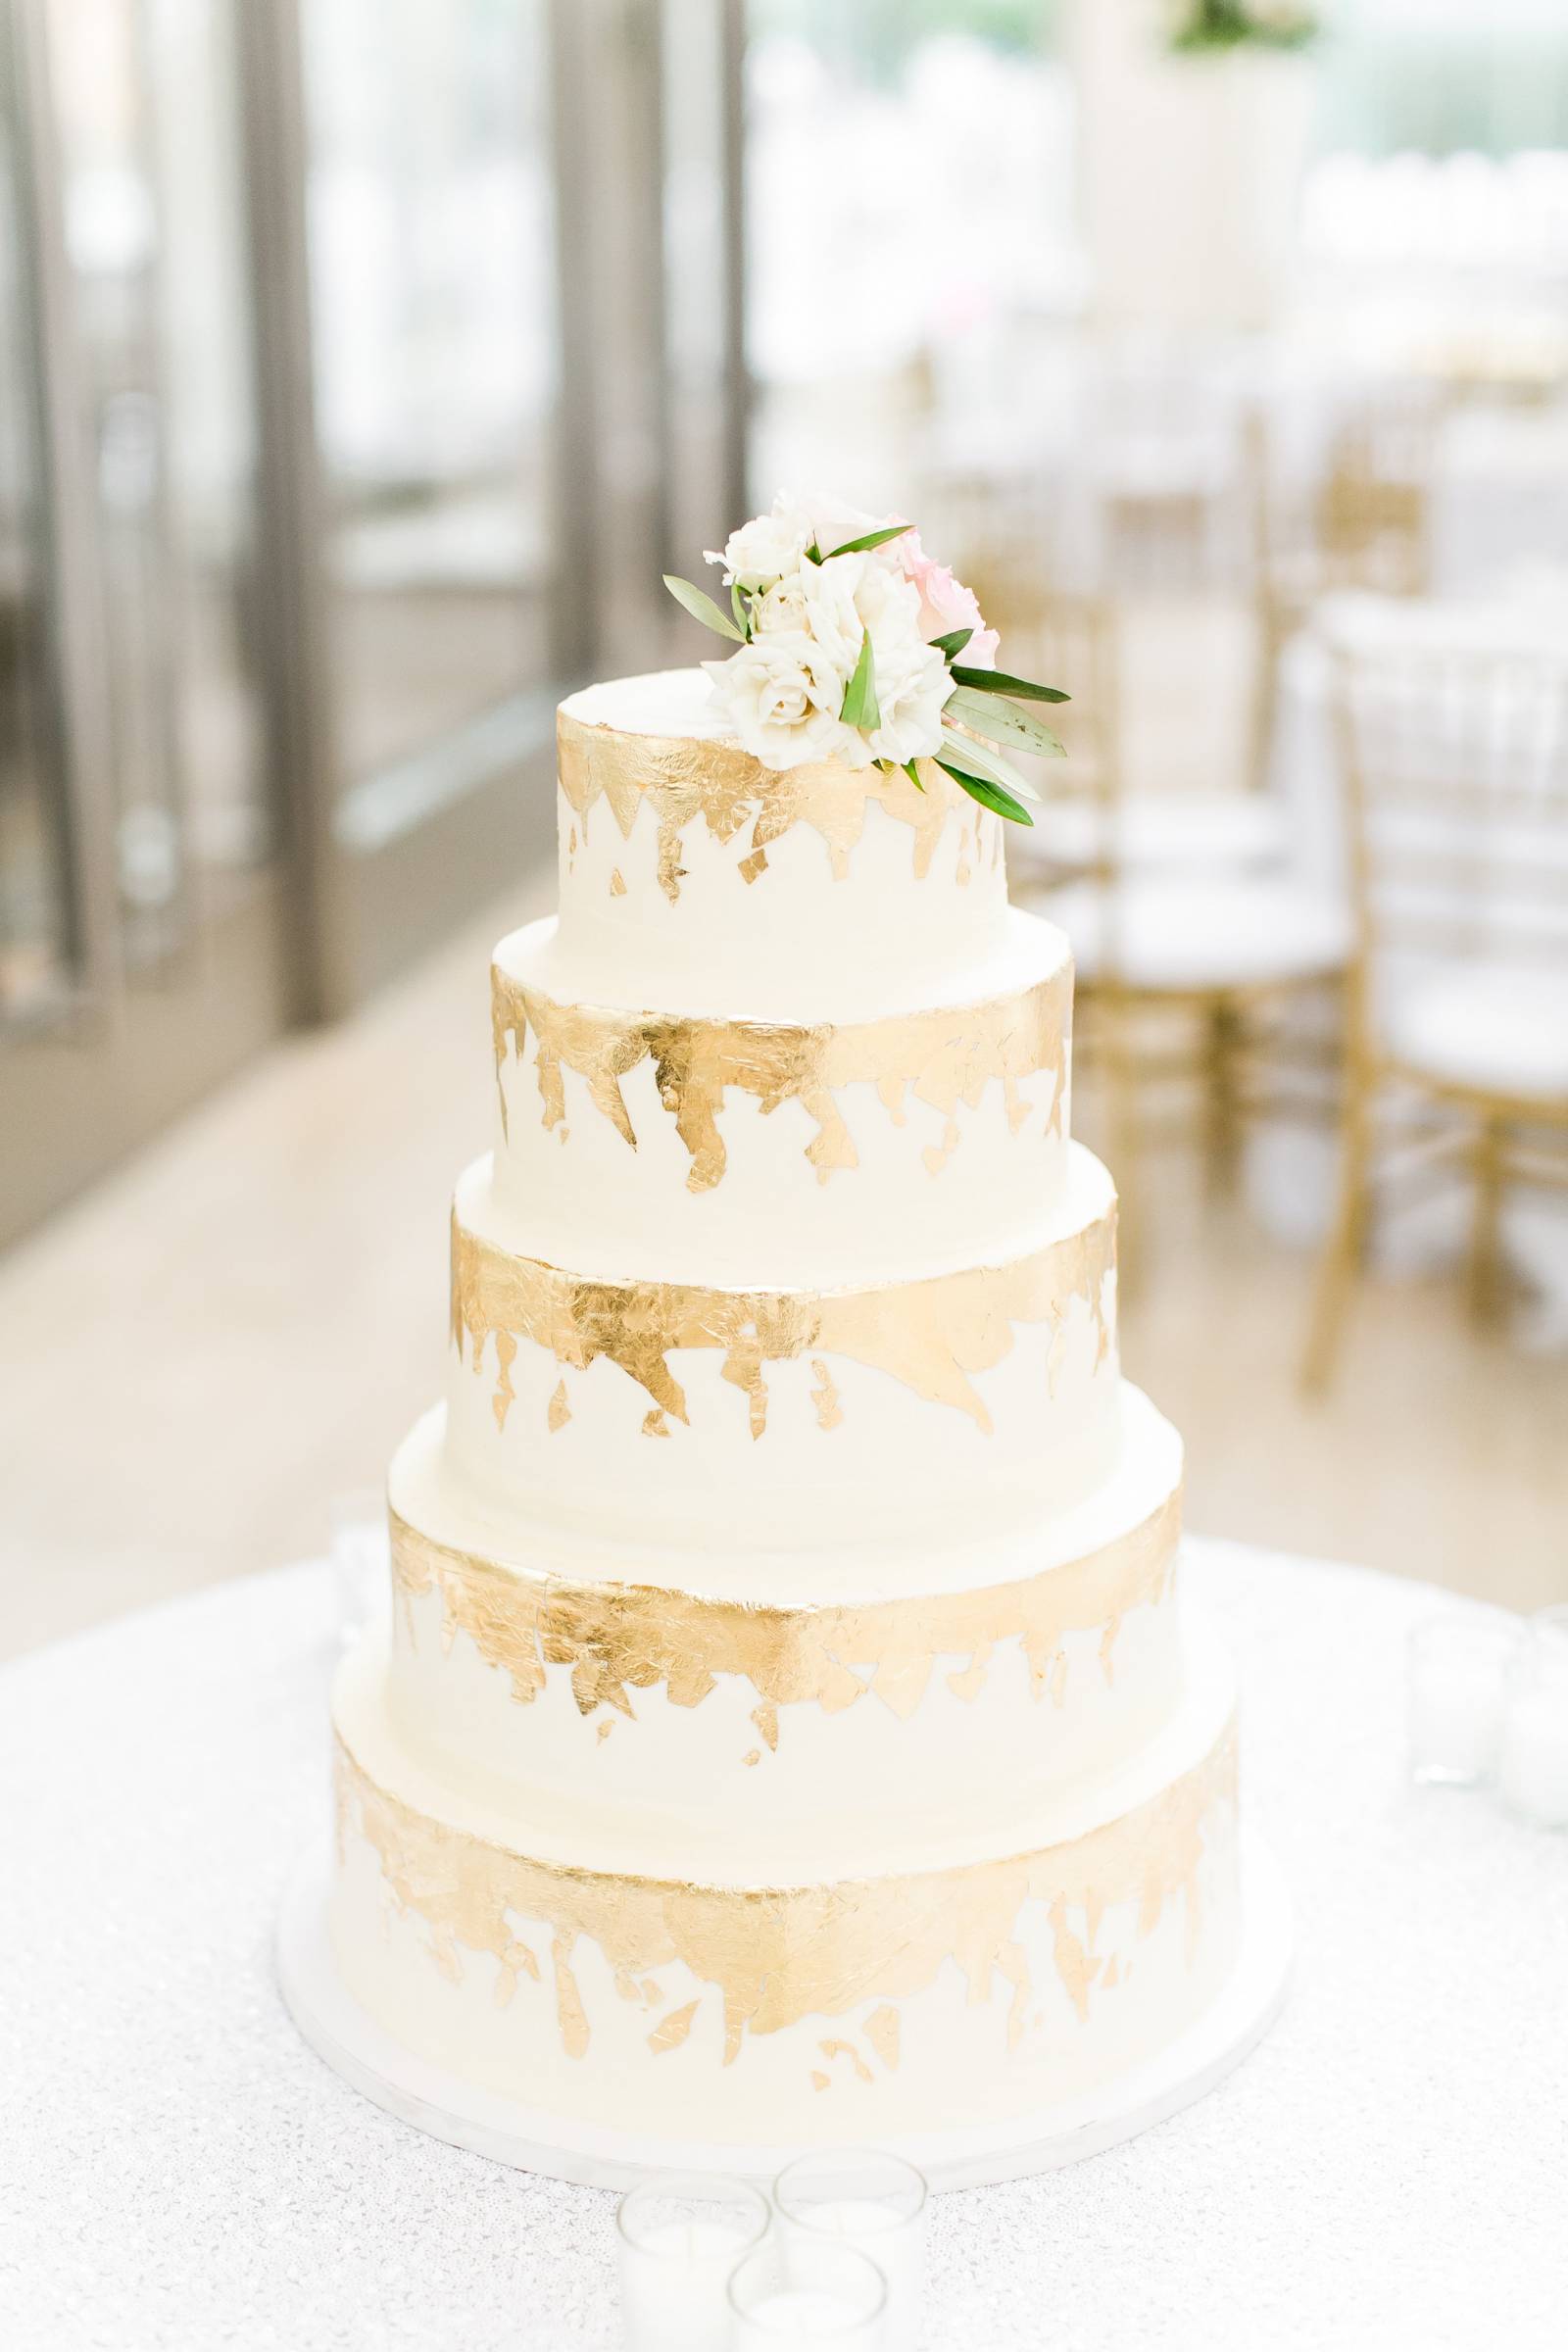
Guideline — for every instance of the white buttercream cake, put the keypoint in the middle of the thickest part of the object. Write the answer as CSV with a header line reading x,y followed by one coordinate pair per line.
x,y
788,1730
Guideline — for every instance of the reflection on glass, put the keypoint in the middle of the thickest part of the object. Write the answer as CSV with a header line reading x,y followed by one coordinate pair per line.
x,y
431,271
145,94
33,945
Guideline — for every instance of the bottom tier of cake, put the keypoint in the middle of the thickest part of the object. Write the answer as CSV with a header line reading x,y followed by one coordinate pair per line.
x,y
941,1981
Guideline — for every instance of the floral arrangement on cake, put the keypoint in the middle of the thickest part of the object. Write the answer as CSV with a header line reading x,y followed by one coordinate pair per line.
x,y
1207,25
852,644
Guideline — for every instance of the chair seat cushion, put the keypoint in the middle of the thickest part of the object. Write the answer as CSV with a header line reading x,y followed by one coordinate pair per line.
x,y
1179,932
1502,1030
1157,832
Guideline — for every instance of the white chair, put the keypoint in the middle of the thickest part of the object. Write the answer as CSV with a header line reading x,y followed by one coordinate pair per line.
x,y
1456,771
1200,932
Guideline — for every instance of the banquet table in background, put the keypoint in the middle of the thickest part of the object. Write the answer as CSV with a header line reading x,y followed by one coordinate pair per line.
x,y
178,2171
1499,497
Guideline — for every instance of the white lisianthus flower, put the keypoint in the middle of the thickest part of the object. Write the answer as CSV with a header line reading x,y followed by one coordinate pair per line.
x,y
911,677
911,686
768,547
783,697
831,595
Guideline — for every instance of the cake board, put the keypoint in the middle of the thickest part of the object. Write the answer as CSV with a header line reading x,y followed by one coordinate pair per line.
x,y
454,2110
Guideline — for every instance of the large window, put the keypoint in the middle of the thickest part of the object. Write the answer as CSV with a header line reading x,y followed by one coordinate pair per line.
x,y
432,282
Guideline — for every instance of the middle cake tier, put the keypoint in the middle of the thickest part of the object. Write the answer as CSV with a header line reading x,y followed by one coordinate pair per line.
x,y
967,1397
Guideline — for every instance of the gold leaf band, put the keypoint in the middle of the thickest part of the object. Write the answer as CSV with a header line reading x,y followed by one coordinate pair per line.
x,y
616,1638
943,1057
928,1334
689,780
778,1955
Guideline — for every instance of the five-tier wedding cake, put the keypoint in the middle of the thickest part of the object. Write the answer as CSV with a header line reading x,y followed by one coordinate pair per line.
x,y
788,1730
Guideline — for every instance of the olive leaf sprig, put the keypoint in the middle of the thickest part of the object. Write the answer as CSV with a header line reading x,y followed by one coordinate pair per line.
x,y
981,717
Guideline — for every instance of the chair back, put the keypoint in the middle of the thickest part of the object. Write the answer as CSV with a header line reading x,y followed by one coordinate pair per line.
x,y
1071,641
1357,517
1457,774
1374,500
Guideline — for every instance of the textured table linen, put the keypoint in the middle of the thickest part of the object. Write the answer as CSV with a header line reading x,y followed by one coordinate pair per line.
x,y
178,2173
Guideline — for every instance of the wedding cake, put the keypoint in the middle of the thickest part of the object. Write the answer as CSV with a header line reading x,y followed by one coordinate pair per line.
x,y
787,1730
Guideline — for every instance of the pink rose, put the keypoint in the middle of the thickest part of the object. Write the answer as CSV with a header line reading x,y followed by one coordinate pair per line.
x,y
946,604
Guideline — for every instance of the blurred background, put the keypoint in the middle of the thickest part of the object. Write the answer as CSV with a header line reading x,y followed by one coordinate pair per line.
x,y
364,363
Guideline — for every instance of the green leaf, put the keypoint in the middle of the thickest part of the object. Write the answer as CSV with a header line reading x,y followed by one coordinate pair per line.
x,y
813,554
988,715
701,607
860,707
989,795
857,547
981,760
952,643
737,605
997,681
911,768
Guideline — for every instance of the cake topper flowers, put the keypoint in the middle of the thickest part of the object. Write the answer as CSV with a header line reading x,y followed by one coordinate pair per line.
x,y
854,643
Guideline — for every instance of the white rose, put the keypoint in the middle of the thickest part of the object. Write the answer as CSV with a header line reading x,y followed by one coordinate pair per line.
x,y
768,547
782,606
781,698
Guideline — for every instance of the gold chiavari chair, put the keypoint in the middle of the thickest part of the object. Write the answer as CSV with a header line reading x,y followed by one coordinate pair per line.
x,y
1207,952
1359,522
1456,786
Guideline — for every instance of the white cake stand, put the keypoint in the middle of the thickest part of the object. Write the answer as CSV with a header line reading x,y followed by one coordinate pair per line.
x,y
454,2110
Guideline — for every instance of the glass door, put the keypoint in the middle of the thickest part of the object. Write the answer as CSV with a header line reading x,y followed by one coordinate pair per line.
x,y
141,953
407,153
362,365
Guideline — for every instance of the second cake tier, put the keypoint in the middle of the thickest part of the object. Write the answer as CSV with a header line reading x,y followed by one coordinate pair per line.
x,y
719,1144
661,1411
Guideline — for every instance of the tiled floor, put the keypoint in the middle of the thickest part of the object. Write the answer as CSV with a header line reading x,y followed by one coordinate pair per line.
x,y
199,1355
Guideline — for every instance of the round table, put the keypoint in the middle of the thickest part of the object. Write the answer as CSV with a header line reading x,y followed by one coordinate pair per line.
x,y
177,2172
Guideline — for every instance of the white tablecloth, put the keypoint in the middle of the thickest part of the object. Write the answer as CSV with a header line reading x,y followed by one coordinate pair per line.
x,y
177,2173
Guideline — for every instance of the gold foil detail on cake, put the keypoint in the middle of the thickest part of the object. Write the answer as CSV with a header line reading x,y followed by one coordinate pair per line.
x,y
881,2030
685,780
846,2049
617,883
571,2015
944,1058
559,1412
825,1397
616,1638
779,1955
929,1336
820,2080
672,2033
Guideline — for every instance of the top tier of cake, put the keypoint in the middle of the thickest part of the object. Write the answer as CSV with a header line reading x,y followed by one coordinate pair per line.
x,y
692,876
